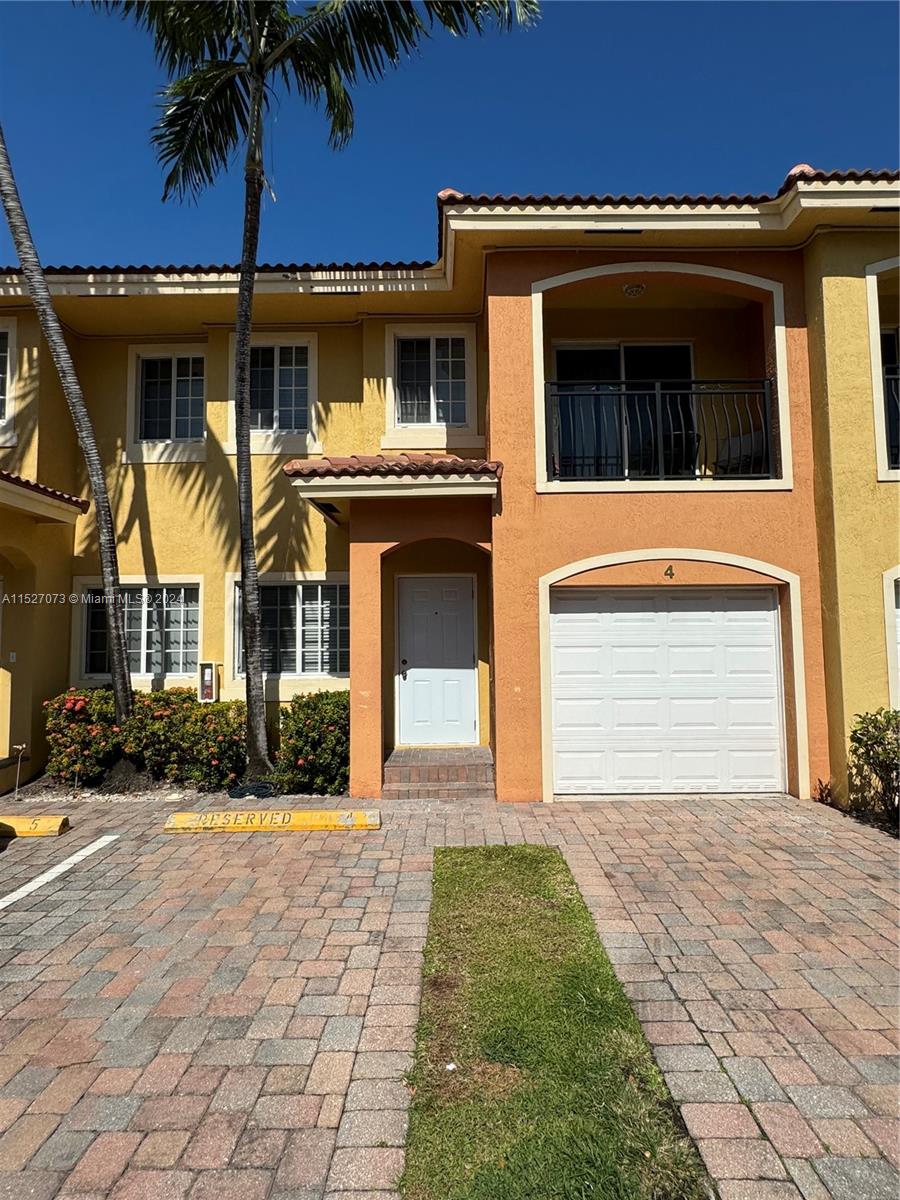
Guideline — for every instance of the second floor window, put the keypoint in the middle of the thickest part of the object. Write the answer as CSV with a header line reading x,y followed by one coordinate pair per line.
x,y
161,630
431,381
171,399
4,370
305,628
279,388
890,364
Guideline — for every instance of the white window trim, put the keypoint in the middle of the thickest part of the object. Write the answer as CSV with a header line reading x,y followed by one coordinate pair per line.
x,y
8,434
277,688
775,289
267,441
883,472
170,449
889,581
436,436
78,641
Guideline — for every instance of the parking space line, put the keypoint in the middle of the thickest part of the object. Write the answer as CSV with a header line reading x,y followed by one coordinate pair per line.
x,y
60,869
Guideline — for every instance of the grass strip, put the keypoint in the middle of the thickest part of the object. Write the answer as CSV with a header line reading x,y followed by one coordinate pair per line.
x,y
532,1079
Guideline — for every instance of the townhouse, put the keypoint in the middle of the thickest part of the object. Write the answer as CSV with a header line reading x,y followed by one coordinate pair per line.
x,y
602,501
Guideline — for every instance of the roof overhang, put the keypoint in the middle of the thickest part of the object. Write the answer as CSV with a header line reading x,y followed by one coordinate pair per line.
x,y
409,487
35,504
732,215
804,202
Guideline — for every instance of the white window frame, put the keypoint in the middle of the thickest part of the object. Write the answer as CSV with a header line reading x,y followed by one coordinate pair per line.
x,y
436,436
8,436
82,584
275,441
279,688
890,583
170,449
883,472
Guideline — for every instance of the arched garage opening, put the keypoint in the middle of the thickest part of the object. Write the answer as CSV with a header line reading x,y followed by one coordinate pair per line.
x,y
672,669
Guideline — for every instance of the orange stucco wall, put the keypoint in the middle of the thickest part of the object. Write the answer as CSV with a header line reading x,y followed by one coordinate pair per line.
x,y
378,527
534,534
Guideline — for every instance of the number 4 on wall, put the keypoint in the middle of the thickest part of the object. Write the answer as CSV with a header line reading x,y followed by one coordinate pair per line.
x,y
669,572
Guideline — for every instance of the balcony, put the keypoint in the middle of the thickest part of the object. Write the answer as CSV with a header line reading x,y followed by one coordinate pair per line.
x,y
892,415
700,430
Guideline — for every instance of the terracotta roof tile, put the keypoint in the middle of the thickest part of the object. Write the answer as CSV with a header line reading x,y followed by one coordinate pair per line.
x,y
450,196
42,490
380,465
803,171
290,268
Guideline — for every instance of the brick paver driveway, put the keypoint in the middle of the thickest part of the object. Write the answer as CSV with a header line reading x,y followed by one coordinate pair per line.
x,y
230,1017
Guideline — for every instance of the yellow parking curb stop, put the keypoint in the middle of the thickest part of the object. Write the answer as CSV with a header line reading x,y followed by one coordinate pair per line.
x,y
272,821
11,827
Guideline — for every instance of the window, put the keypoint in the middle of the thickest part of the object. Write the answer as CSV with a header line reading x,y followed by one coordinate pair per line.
x,y
890,363
171,399
305,628
4,370
431,380
279,388
161,630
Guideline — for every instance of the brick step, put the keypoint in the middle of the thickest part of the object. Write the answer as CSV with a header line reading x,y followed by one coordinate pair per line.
x,y
438,791
438,774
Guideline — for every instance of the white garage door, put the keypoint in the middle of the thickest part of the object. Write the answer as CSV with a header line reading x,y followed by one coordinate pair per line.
x,y
675,690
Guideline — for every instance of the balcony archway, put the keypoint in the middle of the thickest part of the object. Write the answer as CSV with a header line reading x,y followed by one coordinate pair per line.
x,y
616,432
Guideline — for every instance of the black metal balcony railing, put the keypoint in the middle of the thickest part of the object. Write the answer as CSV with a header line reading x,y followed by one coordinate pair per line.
x,y
892,415
648,429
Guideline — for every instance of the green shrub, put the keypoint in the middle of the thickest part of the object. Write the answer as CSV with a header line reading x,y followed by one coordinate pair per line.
x,y
214,755
874,764
314,756
83,737
169,735
154,735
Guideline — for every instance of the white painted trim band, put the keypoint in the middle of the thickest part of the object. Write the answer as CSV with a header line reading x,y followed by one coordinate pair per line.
x,y
884,474
60,869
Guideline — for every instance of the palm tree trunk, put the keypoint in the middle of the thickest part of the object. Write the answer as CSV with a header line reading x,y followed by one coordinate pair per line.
x,y
62,359
258,762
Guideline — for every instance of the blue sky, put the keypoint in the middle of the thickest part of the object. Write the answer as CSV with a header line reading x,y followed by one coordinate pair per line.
x,y
619,97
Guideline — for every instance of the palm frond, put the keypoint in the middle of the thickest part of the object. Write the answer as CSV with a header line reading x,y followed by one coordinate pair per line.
x,y
220,52
184,32
463,16
363,38
205,118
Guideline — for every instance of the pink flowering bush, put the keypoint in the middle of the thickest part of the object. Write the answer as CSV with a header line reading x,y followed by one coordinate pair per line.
x,y
82,735
314,756
169,735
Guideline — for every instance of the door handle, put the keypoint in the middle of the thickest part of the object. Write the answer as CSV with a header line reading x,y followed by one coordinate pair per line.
x,y
403,665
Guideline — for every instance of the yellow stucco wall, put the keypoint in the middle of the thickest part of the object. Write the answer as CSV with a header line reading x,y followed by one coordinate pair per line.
x,y
178,520
35,559
858,517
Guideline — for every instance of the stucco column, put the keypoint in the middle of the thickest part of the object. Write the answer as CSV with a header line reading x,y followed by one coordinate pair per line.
x,y
518,546
366,737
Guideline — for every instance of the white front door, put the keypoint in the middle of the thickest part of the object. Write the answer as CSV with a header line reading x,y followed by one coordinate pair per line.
x,y
666,691
436,669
